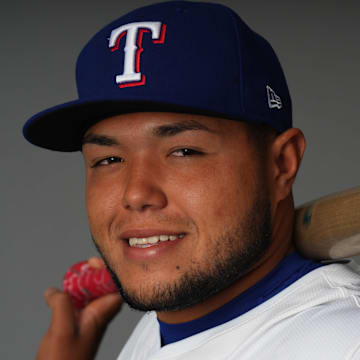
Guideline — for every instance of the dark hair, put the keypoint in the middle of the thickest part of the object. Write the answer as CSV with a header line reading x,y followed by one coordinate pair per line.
x,y
261,135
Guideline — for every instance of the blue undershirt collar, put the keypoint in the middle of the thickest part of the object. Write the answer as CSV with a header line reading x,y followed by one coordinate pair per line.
x,y
290,269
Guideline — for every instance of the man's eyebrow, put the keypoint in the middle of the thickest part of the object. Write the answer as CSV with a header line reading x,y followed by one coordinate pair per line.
x,y
178,127
99,140
171,129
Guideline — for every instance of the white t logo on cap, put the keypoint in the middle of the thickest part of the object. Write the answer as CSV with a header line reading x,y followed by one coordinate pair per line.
x,y
133,48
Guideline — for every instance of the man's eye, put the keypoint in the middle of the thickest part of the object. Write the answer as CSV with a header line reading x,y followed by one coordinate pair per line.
x,y
186,152
108,161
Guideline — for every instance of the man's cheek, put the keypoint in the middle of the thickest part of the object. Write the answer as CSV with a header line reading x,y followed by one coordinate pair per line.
x,y
97,225
100,208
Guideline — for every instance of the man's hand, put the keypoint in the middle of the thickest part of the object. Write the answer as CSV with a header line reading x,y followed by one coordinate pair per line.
x,y
75,334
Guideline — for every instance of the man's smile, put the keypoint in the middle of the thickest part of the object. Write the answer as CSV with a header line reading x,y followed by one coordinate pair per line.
x,y
144,242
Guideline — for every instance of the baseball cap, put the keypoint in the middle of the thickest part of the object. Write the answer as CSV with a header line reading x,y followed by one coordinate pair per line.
x,y
175,56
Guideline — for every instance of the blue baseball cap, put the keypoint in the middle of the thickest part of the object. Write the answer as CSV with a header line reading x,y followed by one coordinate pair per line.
x,y
176,56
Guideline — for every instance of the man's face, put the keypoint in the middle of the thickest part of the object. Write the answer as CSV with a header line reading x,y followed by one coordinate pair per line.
x,y
177,205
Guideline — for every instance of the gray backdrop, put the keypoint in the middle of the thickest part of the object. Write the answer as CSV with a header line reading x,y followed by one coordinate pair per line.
x,y
43,222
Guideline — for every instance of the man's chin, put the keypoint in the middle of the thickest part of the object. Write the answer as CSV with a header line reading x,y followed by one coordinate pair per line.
x,y
161,297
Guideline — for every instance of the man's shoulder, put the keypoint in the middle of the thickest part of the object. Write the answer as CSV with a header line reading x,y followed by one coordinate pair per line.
x,y
317,316
323,286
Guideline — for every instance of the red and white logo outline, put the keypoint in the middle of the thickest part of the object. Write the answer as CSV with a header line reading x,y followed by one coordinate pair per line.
x,y
134,33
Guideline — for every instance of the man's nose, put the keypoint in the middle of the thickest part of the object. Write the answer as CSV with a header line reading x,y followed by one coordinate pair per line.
x,y
144,187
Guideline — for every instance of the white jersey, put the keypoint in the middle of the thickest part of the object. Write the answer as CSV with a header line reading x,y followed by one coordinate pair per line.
x,y
316,317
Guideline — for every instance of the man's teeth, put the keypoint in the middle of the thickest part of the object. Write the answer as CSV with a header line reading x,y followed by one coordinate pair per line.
x,y
153,239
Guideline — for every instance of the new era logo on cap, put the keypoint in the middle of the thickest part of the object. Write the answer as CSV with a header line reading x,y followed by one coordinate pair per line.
x,y
274,100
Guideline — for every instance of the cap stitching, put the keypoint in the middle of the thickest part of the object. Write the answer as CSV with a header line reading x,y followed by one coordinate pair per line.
x,y
239,60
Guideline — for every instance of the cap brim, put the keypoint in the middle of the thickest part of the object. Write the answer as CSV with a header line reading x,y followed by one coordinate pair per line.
x,y
62,127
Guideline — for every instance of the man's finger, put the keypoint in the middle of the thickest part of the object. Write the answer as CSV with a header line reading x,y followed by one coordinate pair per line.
x,y
97,315
63,319
96,262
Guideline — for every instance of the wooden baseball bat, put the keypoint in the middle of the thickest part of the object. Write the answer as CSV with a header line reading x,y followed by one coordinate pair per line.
x,y
329,227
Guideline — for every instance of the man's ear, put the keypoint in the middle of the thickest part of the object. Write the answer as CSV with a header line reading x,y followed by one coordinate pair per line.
x,y
286,153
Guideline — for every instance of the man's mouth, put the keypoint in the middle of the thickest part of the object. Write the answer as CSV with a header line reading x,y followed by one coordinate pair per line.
x,y
144,242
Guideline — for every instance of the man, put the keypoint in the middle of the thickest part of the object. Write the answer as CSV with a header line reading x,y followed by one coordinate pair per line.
x,y
184,122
